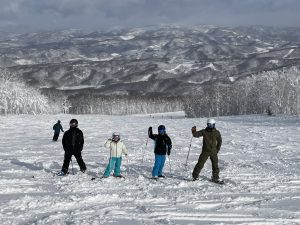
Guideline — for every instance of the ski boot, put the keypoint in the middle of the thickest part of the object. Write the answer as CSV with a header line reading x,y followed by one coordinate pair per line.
x,y
216,180
61,173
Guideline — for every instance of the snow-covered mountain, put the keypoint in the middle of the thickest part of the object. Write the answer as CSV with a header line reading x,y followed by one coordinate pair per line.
x,y
170,60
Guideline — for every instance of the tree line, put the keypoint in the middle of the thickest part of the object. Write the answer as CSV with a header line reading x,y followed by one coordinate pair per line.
x,y
272,92
123,105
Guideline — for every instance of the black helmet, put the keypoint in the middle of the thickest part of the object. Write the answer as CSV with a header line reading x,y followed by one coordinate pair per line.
x,y
73,123
161,129
116,136
58,121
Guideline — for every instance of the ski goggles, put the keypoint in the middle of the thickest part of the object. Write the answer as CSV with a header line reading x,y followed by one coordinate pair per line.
x,y
210,125
73,124
116,138
162,131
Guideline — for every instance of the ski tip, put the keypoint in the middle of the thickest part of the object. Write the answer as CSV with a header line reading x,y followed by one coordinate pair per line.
x,y
120,177
218,182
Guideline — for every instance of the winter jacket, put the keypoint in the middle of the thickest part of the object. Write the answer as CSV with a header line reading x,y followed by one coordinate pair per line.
x,y
163,143
116,148
212,140
57,128
73,140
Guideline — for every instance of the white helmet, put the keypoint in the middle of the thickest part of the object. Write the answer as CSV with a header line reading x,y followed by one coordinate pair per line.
x,y
211,123
116,136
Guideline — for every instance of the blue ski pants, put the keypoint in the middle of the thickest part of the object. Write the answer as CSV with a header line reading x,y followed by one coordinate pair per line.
x,y
114,164
158,165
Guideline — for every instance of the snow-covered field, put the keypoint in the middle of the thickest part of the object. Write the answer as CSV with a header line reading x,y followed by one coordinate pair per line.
x,y
259,161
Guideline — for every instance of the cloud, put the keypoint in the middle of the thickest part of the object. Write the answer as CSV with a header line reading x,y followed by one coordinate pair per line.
x,y
103,14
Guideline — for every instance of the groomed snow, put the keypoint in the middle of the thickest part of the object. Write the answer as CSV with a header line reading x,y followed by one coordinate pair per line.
x,y
289,53
232,79
127,37
259,161
78,87
24,62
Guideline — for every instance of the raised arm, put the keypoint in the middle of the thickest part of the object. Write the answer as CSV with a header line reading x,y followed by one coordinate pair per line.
x,y
196,133
107,143
150,134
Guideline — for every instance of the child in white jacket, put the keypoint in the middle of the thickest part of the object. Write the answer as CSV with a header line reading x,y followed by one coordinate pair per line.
x,y
117,148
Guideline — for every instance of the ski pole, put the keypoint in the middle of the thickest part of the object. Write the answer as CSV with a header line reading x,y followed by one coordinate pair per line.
x,y
187,158
145,149
127,164
110,157
72,165
170,165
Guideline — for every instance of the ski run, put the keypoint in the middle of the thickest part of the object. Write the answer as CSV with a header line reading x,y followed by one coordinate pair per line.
x,y
259,162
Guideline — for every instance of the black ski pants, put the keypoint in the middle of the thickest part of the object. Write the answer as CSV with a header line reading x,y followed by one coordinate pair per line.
x,y
55,137
201,161
67,160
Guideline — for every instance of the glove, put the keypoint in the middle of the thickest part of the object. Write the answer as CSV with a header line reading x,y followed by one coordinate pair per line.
x,y
193,129
168,153
149,130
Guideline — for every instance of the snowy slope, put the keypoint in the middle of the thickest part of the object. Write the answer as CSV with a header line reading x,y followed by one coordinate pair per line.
x,y
259,162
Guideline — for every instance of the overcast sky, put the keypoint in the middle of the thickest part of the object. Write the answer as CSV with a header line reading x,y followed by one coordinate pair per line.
x,y
33,15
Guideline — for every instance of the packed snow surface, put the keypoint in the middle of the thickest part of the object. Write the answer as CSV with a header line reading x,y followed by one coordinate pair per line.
x,y
259,162
24,62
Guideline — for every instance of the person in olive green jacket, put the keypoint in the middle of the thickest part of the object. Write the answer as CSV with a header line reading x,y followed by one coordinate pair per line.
x,y
212,142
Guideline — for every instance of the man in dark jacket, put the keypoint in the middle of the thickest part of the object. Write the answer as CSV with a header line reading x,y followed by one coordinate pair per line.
x,y
57,128
163,146
212,142
73,144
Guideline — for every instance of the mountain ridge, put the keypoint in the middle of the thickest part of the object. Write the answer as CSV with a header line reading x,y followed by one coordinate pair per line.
x,y
167,60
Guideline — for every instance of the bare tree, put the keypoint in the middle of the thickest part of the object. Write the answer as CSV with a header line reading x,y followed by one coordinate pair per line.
x,y
66,105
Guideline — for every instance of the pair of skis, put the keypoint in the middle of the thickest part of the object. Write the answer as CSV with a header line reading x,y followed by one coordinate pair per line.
x,y
221,182
120,177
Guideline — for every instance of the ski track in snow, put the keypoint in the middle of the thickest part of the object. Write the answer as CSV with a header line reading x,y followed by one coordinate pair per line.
x,y
259,161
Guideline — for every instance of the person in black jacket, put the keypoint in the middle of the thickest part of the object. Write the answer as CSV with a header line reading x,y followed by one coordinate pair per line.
x,y
73,144
163,146
57,128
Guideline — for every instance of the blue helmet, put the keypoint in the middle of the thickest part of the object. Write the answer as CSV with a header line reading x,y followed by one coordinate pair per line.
x,y
161,129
